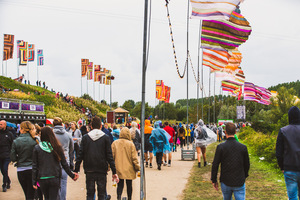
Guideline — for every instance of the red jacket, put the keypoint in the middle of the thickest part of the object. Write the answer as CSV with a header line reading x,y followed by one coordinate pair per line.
x,y
171,132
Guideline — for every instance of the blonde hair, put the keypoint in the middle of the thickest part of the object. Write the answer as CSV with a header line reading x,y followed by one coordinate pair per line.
x,y
133,130
28,127
73,122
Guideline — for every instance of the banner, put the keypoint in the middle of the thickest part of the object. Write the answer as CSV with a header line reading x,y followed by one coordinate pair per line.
x,y
23,46
97,69
107,73
8,48
84,64
241,112
90,71
40,57
30,52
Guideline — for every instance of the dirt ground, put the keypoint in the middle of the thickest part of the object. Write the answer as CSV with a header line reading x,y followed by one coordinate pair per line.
x,y
168,183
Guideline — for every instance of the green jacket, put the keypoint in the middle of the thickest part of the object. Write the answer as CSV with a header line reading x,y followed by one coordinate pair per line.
x,y
22,149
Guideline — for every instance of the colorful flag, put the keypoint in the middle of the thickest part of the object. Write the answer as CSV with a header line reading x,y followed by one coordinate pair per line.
x,y
107,80
257,94
84,64
23,46
159,89
30,52
40,57
97,69
215,59
213,9
234,61
231,86
90,71
8,48
168,95
224,34
19,43
101,75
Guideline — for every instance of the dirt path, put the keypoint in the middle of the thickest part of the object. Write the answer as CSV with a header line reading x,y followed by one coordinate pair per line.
x,y
168,183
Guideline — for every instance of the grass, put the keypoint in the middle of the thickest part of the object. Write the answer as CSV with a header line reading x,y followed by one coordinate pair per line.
x,y
264,182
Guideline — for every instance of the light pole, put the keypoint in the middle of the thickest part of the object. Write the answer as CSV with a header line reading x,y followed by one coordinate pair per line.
x,y
110,78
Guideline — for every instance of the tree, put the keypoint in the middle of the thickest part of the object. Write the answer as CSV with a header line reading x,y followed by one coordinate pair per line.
x,y
137,110
128,105
114,104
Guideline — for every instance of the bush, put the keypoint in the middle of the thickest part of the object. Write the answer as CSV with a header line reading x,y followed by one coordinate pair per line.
x,y
263,144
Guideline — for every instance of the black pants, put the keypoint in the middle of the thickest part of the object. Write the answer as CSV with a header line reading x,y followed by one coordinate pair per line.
x,y
100,180
4,162
121,186
76,149
25,179
50,188
182,142
159,158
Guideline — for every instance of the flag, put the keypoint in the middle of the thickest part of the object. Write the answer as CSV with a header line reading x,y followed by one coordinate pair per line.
x,y
215,59
19,43
159,89
234,61
257,94
224,34
90,71
213,9
8,46
101,75
84,64
96,71
30,52
107,73
40,57
23,46
168,94
230,86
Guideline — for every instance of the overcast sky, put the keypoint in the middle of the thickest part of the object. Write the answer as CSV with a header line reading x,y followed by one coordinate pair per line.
x,y
110,34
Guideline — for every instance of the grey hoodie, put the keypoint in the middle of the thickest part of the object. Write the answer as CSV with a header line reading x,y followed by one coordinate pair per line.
x,y
65,140
95,134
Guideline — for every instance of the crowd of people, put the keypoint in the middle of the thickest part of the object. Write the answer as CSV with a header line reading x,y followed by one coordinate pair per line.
x,y
46,156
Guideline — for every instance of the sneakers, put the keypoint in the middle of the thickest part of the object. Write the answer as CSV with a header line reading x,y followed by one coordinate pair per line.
x,y
205,163
150,165
199,164
4,189
165,163
147,164
108,197
159,166
169,165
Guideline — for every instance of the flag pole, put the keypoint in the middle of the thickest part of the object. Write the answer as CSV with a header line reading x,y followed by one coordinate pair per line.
x,y
198,77
6,68
99,92
214,120
87,83
3,58
187,73
208,121
104,90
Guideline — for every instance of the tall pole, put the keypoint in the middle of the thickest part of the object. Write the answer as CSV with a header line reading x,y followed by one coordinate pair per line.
x,y
37,73
27,71
2,60
214,120
187,74
209,96
110,94
198,77
87,83
144,68
99,92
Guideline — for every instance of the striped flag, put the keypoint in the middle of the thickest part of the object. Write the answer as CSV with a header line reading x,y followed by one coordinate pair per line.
x,y
107,73
234,61
23,48
30,52
8,46
90,71
230,86
40,57
257,94
84,64
168,94
224,34
215,59
159,89
213,9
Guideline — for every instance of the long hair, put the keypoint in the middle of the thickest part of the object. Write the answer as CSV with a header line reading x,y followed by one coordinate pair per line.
x,y
28,127
133,130
73,122
47,135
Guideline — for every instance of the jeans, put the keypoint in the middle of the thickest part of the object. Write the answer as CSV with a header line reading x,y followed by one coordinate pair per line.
x,y
25,179
49,187
292,182
100,180
4,162
62,194
239,192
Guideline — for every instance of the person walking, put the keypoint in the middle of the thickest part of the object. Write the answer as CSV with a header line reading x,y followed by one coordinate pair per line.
x,y
6,140
126,160
95,152
171,132
66,142
48,157
200,141
220,133
115,133
234,159
21,153
160,143
287,153
148,146
181,135
76,135
135,136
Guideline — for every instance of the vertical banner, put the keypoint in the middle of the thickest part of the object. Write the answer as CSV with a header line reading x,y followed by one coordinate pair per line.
x,y
8,47
107,73
241,112
84,64
23,46
40,57
90,71
30,52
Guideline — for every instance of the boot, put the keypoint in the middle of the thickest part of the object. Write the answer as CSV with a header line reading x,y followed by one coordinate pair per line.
x,y
199,164
119,197
205,163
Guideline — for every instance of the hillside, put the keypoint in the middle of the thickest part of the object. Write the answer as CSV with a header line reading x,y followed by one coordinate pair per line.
x,y
60,107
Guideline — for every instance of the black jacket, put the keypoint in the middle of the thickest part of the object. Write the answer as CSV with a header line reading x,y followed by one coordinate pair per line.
x,y
44,164
95,153
6,140
235,164
288,143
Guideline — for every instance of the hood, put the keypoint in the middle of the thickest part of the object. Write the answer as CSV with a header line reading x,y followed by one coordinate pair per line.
x,y
125,134
46,146
180,125
294,115
148,128
200,123
157,124
59,129
95,134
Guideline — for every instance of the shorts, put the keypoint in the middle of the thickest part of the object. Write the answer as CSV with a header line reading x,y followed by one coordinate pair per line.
x,y
171,146
148,145
148,151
